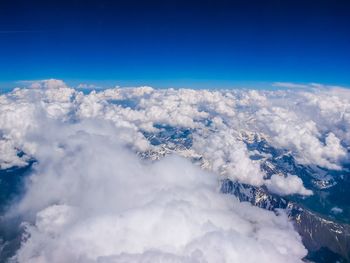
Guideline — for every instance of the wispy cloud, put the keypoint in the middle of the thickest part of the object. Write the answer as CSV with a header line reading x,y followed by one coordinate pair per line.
x,y
292,85
26,82
289,85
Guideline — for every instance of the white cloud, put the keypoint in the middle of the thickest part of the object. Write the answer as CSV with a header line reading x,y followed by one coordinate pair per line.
x,y
290,85
92,200
228,157
9,155
85,86
48,84
313,125
287,185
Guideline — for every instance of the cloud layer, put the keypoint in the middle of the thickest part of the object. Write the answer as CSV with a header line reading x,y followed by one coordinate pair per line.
x,y
313,126
91,199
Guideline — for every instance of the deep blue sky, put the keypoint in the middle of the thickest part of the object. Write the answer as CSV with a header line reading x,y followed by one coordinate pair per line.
x,y
175,43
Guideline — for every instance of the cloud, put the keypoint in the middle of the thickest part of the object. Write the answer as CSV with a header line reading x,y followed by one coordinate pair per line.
x,y
290,85
46,83
90,199
229,157
287,185
336,210
314,125
9,155
85,86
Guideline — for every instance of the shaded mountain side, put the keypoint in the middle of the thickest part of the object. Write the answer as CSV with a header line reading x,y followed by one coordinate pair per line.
x,y
11,189
318,233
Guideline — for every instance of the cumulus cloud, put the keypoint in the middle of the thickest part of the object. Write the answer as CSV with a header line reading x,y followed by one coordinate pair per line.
x,y
89,87
229,157
9,155
48,84
287,185
90,199
313,125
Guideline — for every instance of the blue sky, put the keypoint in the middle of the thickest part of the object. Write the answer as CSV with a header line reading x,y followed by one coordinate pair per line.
x,y
175,43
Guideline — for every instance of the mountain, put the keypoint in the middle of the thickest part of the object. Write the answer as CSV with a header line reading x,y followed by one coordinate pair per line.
x,y
324,234
317,231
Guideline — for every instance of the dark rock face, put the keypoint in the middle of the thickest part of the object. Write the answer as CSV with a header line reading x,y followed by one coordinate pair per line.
x,y
11,189
317,232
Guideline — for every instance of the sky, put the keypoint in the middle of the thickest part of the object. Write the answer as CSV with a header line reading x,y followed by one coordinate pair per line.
x,y
209,44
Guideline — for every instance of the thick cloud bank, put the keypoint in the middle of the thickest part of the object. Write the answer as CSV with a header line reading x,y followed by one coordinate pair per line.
x,y
90,198
313,125
94,201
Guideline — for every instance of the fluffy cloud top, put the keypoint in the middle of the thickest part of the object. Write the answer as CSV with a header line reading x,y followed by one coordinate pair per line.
x,y
313,125
90,199
287,185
